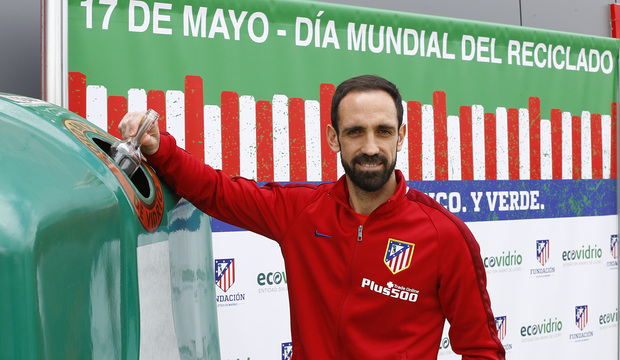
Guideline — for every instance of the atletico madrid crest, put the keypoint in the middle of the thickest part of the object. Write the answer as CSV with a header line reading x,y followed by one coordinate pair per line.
x,y
581,316
224,273
398,255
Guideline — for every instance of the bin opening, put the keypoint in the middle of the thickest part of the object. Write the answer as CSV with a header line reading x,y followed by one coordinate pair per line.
x,y
139,178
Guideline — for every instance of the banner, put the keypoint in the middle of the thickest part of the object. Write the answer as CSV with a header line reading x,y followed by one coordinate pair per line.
x,y
510,128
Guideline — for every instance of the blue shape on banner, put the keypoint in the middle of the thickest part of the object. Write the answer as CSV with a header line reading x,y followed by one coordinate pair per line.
x,y
488,200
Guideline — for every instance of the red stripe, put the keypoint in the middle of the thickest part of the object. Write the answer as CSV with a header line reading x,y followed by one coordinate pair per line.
x,y
597,146
534,110
614,14
614,141
264,141
441,135
194,117
490,146
414,121
513,145
117,108
556,143
467,147
231,162
328,157
297,139
77,93
156,100
576,147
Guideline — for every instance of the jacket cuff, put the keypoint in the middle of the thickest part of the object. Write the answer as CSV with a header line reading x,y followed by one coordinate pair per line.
x,y
166,143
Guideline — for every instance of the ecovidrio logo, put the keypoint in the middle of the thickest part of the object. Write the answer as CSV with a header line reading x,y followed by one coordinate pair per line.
x,y
504,262
269,282
545,329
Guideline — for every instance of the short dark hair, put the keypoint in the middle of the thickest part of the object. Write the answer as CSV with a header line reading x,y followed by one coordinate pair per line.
x,y
366,83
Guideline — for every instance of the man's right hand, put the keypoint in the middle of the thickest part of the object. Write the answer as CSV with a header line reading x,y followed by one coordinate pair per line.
x,y
129,125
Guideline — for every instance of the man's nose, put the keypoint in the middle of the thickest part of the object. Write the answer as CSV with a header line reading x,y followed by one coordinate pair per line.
x,y
370,145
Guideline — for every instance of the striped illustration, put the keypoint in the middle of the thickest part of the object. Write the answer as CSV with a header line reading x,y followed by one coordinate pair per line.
x,y
224,273
542,251
284,139
581,316
398,255
500,324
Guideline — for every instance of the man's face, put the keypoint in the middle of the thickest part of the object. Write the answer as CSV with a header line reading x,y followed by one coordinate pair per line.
x,y
368,138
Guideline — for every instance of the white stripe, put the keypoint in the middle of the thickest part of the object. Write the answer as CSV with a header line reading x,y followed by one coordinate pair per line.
x,y
313,140
175,115
606,136
406,257
400,261
501,136
247,137
97,106
281,150
546,161
454,148
524,144
428,143
339,168
478,135
586,146
213,136
136,100
567,146
402,158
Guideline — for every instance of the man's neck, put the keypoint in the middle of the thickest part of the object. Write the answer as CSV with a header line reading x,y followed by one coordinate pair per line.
x,y
364,202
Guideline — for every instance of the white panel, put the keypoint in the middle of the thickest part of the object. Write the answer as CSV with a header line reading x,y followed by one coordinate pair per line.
x,y
567,145
402,159
281,150
247,137
97,106
524,144
313,140
339,168
477,135
454,148
606,135
546,162
136,100
213,136
428,143
175,115
586,146
501,131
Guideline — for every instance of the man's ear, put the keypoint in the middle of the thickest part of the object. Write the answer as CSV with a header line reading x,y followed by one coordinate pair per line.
x,y
332,138
401,136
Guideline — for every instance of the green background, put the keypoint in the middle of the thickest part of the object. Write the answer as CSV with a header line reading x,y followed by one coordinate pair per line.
x,y
119,59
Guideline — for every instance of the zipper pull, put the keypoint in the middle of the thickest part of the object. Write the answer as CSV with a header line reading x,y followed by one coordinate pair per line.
x,y
359,232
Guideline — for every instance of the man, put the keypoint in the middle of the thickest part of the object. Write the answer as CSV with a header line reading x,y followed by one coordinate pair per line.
x,y
374,267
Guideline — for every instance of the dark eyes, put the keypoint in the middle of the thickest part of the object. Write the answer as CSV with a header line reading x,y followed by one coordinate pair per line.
x,y
380,131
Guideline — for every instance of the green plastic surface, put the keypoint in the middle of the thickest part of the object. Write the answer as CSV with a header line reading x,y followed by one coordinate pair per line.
x,y
68,238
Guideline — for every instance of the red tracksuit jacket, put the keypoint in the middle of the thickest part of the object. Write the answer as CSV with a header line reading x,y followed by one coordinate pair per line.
x,y
381,290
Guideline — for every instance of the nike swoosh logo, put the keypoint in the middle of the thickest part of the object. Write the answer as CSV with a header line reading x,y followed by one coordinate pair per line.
x,y
318,234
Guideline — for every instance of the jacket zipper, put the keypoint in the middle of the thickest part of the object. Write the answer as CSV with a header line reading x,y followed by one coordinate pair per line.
x,y
360,230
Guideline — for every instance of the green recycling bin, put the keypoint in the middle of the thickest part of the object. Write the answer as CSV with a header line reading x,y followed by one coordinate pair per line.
x,y
80,242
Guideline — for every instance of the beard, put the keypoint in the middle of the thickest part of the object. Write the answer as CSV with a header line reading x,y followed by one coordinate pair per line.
x,y
369,181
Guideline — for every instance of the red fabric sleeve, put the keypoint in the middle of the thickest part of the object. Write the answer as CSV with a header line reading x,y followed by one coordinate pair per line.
x,y
462,289
237,201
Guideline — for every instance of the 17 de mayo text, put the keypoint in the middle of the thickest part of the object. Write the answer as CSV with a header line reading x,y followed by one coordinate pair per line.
x,y
322,32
